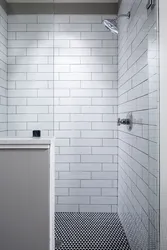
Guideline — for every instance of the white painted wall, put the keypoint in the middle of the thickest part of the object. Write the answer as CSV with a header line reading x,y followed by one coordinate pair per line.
x,y
62,76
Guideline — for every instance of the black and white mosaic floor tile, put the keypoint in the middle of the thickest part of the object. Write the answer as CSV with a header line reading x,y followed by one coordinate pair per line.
x,y
90,231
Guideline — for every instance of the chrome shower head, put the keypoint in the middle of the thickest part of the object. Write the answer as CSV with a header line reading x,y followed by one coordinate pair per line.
x,y
112,24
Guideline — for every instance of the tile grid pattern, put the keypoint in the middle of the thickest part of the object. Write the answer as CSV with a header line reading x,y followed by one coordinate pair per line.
x,y
84,72
3,73
138,151
90,231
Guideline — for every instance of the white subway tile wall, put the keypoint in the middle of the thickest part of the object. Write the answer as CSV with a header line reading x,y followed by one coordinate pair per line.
x,y
30,74
62,73
138,149
3,73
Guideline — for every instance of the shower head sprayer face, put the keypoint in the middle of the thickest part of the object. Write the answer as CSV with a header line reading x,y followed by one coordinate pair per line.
x,y
111,24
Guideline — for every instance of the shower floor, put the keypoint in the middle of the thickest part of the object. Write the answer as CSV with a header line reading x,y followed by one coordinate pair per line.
x,y
90,231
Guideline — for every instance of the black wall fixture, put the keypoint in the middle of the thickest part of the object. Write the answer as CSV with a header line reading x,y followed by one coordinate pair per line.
x,y
36,133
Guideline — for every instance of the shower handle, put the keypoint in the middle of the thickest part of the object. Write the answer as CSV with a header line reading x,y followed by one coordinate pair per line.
x,y
128,121
123,121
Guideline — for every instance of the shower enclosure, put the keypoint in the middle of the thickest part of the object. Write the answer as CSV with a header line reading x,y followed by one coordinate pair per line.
x,y
87,74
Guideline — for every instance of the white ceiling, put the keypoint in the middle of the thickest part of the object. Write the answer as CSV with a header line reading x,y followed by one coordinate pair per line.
x,y
62,1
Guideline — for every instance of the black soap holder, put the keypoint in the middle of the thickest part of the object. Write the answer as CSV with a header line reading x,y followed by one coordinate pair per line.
x,y
36,133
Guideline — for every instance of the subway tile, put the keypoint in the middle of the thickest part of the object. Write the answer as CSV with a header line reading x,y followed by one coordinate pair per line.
x,y
16,101
97,158
86,68
75,101
32,35
45,68
67,184
85,191
75,125
96,183
97,109
66,60
104,150
22,43
105,126
110,93
95,35
40,27
110,142
44,117
32,60
97,85
61,93
104,101
61,18
109,68
16,76
45,43
67,208
39,76
67,158
74,52
22,68
104,52
39,51
70,110
62,118
97,134
110,43
104,200
66,35
75,76
61,191
17,126
22,93
86,117
16,27
73,200
67,134
105,176
45,18
61,68
62,43
96,60
40,125
32,109
85,43
74,175
75,27
85,167
104,76
62,167
75,150
108,167
21,118
85,142
95,208
62,142
86,92
22,19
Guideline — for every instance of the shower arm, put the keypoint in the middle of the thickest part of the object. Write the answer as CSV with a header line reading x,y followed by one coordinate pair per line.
x,y
124,15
